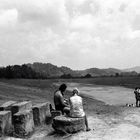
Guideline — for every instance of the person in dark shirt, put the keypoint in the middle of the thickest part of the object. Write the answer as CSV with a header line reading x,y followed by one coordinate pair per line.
x,y
137,96
59,101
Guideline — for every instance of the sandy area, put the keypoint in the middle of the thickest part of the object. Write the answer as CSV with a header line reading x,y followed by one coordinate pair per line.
x,y
112,95
125,127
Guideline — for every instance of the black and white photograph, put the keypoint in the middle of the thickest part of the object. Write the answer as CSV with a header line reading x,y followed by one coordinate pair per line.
x,y
69,69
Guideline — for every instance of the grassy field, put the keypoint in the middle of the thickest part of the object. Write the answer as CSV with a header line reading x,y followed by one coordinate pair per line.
x,y
130,82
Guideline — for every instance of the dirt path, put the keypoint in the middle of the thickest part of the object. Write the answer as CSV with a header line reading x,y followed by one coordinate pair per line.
x,y
125,127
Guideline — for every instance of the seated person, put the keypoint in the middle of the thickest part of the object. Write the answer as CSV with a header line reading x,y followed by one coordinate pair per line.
x,y
76,107
59,101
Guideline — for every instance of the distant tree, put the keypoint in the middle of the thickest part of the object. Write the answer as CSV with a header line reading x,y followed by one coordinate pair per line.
x,y
17,71
2,72
87,76
132,73
27,72
8,72
117,74
66,76
21,71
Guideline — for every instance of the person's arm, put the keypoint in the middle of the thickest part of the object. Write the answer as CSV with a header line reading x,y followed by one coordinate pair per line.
x,y
62,101
135,92
70,103
66,101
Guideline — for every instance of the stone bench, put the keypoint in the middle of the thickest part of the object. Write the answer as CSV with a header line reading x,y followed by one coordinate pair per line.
x,y
7,105
25,105
41,112
23,123
54,113
67,124
5,123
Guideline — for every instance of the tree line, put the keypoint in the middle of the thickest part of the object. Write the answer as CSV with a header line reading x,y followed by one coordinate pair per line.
x,y
26,72
18,71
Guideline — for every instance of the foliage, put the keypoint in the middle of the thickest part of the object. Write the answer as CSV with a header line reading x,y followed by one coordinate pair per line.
x,y
88,75
49,71
66,76
18,71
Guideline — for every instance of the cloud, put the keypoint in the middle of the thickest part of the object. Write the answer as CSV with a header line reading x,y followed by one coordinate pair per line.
x,y
8,17
75,33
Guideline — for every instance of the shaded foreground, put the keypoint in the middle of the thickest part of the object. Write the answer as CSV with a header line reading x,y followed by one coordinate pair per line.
x,y
109,122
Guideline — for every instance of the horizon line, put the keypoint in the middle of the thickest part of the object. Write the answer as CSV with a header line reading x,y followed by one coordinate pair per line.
x,y
70,67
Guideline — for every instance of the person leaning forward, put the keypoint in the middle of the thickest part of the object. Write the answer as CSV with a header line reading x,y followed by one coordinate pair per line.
x,y
59,101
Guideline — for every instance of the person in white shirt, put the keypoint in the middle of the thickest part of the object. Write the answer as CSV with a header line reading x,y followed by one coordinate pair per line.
x,y
76,107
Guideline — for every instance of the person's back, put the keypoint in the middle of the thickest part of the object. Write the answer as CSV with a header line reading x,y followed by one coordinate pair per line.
x,y
76,106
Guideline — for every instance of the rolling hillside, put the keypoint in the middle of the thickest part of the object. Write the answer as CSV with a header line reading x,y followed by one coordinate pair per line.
x,y
47,70
136,69
51,70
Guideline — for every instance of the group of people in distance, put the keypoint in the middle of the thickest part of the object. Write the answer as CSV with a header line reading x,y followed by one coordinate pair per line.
x,y
72,107
137,96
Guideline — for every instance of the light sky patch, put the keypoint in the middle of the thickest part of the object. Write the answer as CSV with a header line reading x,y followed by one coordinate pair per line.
x,y
76,33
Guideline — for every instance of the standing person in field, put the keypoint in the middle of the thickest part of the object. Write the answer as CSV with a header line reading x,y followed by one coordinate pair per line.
x,y
59,101
76,107
137,96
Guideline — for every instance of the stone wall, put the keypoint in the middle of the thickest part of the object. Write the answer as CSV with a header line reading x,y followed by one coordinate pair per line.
x,y
19,119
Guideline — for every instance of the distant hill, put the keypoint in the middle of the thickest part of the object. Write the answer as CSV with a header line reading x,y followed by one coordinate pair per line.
x,y
51,70
47,70
136,69
100,72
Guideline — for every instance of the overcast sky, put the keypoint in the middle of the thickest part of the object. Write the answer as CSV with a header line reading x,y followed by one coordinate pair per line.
x,y
76,33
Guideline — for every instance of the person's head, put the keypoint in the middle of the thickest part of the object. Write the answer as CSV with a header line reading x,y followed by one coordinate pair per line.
x,y
62,87
75,91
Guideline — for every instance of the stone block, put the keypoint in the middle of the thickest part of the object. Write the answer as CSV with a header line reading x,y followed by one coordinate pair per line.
x,y
25,105
7,105
5,123
23,123
55,113
41,112
67,124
